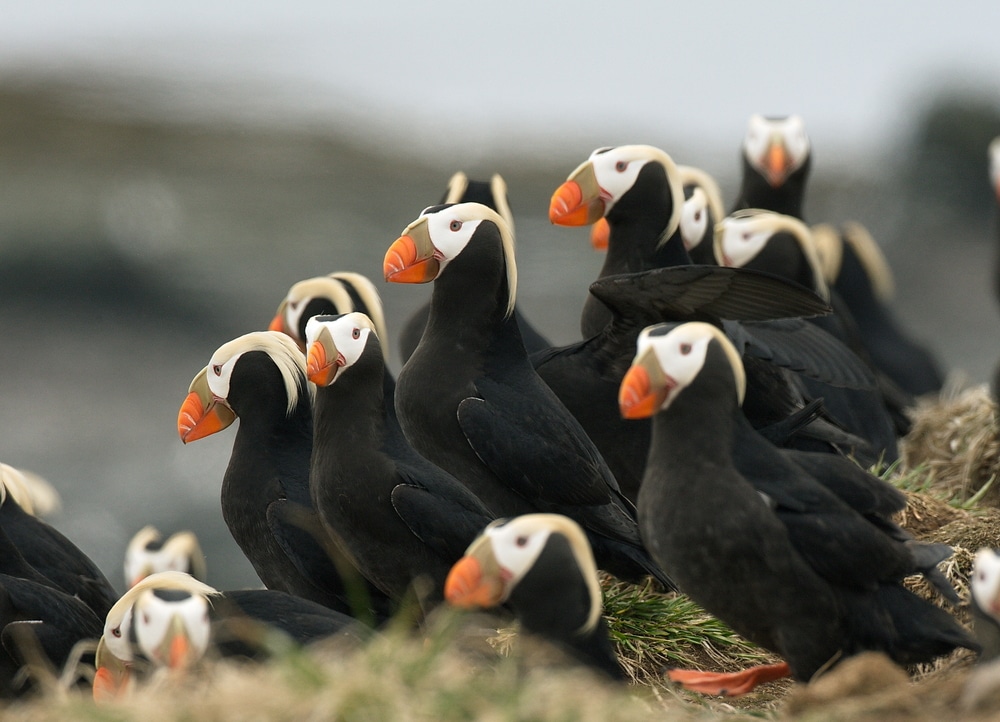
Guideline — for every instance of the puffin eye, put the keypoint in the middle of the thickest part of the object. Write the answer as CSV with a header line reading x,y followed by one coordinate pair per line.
x,y
217,369
116,632
697,216
145,619
685,349
293,305
455,225
521,541
746,236
356,333
620,166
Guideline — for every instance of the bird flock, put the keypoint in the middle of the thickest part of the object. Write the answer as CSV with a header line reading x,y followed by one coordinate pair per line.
x,y
737,375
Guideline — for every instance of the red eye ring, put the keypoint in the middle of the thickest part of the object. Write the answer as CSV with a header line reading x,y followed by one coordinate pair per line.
x,y
620,166
356,333
455,225
685,349
217,369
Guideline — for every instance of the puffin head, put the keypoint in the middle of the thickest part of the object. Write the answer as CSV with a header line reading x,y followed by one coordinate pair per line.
x,y
116,653
439,235
702,205
171,627
208,409
335,343
776,147
591,191
147,554
668,359
744,235
340,292
510,553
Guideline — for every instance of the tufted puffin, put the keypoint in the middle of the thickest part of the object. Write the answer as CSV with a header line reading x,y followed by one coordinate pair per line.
x,y
542,567
776,156
785,565
492,194
260,377
340,292
161,620
469,400
50,553
147,553
400,517
637,190
855,266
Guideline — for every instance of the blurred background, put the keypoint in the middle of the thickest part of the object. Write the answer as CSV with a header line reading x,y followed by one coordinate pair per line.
x,y
167,171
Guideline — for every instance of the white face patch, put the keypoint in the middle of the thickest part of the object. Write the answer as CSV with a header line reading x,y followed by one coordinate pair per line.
x,y
739,240
763,132
679,353
694,218
450,232
616,171
985,581
152,618
349,333
116,636
220,372
516,546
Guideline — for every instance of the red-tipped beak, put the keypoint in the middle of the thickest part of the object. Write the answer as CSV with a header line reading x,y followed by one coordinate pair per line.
x,y
637,399
278,324
319,369
201,414
109,686
195,422
776,164
568,206
403,264
467,586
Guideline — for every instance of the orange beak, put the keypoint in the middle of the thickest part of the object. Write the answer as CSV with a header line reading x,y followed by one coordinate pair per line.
x,y
638,396
278,322
776,164
202,414
599,234
578,201
109,686
468,587
412,258
319,369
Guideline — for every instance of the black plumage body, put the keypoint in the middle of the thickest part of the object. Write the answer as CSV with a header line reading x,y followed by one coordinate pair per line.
x,y
399,516
469,400
777,556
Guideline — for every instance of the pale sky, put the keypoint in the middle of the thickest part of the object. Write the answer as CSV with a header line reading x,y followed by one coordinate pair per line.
x,y
447,70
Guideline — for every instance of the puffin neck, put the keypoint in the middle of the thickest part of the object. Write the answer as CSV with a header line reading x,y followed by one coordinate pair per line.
x,y
784,257
342,408
756,192
637,223
469,301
